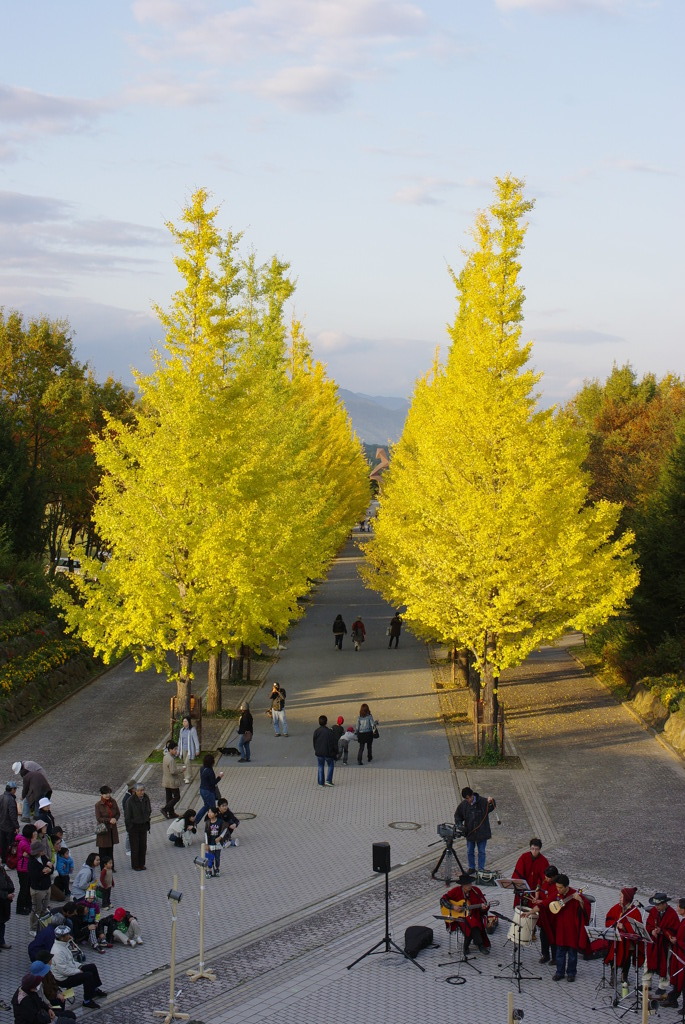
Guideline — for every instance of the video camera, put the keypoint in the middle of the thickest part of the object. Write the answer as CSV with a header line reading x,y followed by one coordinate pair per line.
x,y
449,832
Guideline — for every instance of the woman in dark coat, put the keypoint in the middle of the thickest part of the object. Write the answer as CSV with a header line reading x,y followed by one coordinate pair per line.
x,y
107,813
245,732
339,630
209,781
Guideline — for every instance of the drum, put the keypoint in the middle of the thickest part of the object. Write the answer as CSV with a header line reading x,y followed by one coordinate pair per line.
x,y
523,928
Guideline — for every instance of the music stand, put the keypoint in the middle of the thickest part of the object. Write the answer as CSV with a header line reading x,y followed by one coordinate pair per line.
x,y
609,934
461,938
515,971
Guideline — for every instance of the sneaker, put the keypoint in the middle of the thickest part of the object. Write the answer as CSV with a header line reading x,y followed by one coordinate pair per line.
x,y
329,783
139,941
187,782
234,842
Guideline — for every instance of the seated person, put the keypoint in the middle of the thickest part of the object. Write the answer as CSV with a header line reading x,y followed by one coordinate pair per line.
x,y
70,973
27,1003
122,926
472,913
53,994
182,830
228,817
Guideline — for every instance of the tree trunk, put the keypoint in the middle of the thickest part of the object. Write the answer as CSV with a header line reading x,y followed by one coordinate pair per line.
x,y
214,687
183,683
489,687
460,667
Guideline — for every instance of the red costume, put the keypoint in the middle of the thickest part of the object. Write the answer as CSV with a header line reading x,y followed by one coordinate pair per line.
x,y
677,965
532,870
569,923
475,918
666,919
620,950
547,920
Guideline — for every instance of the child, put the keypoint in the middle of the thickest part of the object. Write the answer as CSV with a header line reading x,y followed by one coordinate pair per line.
x,y
122,926
344,743
65,869
229,819
216,831
181,830
106,884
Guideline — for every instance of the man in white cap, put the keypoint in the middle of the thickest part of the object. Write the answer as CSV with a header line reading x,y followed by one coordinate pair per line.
x,y
9,818
34,786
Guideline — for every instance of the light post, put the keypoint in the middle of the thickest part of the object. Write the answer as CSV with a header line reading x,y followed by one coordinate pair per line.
x,y
201,971
170,1015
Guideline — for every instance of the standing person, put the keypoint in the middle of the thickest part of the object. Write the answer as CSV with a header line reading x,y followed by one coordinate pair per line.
x,y
530,867
70,973
105,882
6,897
472,815
622,951
366,725
344,743
662,925
277,698
394,630
570,931
677,965
171,779
541,902
64,865
46,815
107,813
137,816
245,731
9,818
475,904
216,830
358,632
339,630
188,746
338,731
326,750
40,879
24,841
130,790
34,786
209,782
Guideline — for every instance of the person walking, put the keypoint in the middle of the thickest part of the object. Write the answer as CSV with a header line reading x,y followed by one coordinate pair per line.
x,y
209,782
358,632
339,630
394,630
9,818
137,815
366,726
107,814
472,816
171,779
245,732
188,746
326,749
277,698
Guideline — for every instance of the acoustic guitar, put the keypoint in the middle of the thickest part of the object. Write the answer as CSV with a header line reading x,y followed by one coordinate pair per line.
x,y
556,905
459,910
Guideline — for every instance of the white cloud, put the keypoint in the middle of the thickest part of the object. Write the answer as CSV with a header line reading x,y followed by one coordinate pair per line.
x,y
26,114
611,6
641,167
421,191
167,91
313,89
397,362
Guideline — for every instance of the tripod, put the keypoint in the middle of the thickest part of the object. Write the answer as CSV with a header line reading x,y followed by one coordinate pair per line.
x,y
516,971
386,941
449,856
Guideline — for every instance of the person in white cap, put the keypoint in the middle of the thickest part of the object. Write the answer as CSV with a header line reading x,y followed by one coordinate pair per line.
x,y
9,818
45,812
34,786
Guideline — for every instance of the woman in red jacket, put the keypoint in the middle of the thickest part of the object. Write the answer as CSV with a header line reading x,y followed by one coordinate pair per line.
x,y
24,840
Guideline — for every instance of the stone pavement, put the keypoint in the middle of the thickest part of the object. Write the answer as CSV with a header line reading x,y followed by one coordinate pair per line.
x,y
297,899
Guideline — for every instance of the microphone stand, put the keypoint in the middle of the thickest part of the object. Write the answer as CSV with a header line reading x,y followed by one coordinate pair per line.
x,y
515,971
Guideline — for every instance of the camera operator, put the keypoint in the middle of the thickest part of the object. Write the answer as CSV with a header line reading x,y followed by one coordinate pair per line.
x,y
472,817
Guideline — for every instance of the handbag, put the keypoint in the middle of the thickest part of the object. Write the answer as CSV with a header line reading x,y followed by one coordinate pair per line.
x,y
11,857
100,827
247,735
376,733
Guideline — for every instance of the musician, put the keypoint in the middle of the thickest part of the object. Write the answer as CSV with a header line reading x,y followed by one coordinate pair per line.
x,y
622,952
662,925
677,964
531,867
570,922
547,920
475,909
472,816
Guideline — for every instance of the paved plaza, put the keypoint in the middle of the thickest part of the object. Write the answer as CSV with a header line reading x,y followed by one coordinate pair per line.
x,y
297,900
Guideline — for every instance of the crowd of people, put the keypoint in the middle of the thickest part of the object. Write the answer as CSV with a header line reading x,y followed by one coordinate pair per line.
x,y
545,903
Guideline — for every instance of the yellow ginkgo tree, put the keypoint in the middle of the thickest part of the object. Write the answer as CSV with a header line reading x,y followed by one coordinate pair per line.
x,y
485,532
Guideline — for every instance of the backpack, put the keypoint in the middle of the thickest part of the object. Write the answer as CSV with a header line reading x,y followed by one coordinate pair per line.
x,y
12,856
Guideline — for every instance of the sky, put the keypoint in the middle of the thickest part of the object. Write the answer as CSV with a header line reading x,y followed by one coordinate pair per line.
x,y
357,139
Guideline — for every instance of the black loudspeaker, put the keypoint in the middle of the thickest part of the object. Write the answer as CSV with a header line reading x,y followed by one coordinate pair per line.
x,y
381,858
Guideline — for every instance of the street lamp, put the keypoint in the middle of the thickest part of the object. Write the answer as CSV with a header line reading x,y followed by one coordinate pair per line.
x,y
174,896
201,971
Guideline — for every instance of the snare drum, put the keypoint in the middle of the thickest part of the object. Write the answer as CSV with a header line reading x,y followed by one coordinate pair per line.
x,y
523,928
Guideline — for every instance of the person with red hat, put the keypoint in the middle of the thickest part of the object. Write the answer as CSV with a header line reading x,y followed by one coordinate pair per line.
x,y
122,926
465,907
622,951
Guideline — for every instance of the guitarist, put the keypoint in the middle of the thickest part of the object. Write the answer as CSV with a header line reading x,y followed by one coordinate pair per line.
x,y
530,867
570,928
467,899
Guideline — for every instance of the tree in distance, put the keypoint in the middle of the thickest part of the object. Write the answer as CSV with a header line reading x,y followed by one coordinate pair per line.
x,y
221,502
485,532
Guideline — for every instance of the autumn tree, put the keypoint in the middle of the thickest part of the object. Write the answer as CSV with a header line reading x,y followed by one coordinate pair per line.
x,y
210,502
485,533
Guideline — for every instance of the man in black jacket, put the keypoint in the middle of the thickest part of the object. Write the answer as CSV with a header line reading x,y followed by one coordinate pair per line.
x,y
137,814
472,816
325,749
9,818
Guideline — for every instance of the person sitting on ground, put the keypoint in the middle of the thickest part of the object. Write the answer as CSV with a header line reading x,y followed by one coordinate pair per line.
x,y
122,926
84,924
216,831
228,817
344,743
86,877
28,1005
52,993
71,973
182,830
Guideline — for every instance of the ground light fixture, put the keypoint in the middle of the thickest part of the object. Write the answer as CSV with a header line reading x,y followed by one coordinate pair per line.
x,y
201,971
174,897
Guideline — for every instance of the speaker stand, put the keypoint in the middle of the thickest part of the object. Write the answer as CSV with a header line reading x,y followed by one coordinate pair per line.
x,y
386,942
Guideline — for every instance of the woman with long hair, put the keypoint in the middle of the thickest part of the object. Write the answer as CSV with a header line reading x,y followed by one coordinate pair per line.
x,y
366,724
209,780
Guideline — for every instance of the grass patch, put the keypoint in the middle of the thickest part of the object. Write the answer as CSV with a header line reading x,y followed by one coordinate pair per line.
x,y
486,761
230,713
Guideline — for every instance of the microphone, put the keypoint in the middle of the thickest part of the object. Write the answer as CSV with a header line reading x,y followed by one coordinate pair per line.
x,y
499,820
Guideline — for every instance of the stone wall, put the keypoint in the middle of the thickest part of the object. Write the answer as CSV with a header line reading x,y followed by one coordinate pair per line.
x,y
649,707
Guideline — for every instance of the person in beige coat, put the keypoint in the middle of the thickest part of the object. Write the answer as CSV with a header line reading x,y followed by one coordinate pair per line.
x,y
171,779
107,814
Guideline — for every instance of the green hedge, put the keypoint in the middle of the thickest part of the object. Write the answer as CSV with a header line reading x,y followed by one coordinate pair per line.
x,y
26,623
669,688
23,669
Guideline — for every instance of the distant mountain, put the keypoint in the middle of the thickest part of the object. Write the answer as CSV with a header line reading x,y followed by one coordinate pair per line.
x,y
376,419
